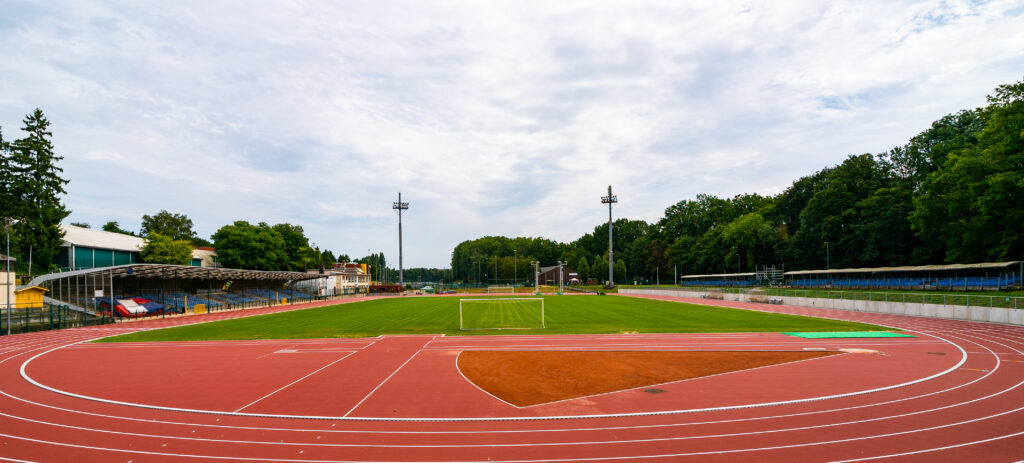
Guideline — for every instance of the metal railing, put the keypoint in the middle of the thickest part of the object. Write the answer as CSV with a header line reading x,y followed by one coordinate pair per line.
x,y
972,300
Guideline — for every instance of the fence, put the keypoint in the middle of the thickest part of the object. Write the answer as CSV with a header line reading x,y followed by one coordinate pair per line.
x,y
973,300
47,317
52,316
996,309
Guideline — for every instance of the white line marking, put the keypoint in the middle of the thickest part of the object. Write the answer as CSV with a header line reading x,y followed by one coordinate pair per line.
x,y
293,382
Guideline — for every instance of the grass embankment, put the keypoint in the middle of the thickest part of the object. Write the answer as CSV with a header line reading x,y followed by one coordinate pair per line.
x,y
440,315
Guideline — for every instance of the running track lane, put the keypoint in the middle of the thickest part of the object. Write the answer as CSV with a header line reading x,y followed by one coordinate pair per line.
x,y
974,413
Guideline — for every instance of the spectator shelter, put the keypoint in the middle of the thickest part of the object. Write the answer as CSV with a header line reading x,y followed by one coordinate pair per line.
x,y
726,279
178,288
963,277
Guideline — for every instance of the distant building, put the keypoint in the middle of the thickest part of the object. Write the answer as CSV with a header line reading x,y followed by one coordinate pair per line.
x,y
549,276
344,278
7,280
85,248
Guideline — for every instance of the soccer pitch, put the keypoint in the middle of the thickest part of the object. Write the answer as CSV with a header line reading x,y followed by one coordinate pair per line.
x,y
440,315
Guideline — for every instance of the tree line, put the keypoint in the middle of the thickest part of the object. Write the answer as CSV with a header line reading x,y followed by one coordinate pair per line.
x,y
952,194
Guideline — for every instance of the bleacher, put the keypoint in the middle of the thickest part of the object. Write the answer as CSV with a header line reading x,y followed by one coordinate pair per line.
x,y
719,282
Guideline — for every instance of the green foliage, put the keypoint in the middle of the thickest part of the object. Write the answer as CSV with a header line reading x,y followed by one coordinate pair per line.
x,y
81,224
115,227
583,269
160,249
254,247
175,226
620,270
198,242
32,186
972,203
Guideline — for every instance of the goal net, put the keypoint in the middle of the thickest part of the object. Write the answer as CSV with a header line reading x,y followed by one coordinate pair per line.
x,y
501,290
501,313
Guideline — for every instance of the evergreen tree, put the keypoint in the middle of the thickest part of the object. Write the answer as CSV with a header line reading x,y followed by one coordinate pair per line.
x,y
583,269
37,185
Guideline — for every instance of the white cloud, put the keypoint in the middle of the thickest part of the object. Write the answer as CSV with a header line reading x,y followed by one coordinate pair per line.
x,y
493,118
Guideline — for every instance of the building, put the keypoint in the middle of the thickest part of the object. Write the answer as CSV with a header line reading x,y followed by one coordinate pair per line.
x,y
85,248
29,297
344,278
7,281
550,276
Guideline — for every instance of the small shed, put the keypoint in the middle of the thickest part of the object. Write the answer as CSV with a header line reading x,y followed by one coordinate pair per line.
x,y
29,297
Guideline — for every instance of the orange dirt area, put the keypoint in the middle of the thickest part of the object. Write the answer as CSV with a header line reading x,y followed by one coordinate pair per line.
x,y
524,378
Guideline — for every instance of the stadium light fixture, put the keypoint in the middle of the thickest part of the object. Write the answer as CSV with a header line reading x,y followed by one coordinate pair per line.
x,y
400,206
609,200
10,221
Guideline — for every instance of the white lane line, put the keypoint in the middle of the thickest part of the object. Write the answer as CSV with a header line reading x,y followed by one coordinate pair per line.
x,y
385,380
293,382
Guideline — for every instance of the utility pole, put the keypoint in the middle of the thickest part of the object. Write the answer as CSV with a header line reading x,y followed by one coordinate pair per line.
x,y
400,206
609,200
827,256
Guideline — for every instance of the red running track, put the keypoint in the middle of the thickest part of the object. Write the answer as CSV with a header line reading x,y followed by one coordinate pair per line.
x,y
954,393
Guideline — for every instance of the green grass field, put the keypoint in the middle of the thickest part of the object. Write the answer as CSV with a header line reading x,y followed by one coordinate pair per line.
x,y
440,315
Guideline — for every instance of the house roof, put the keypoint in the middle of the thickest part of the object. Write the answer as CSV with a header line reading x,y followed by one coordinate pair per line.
x,y
915,268
26,288
5,258
87,237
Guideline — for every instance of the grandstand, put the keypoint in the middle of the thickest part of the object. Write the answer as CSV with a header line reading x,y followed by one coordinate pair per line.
x,y
992,276
725,279
178,288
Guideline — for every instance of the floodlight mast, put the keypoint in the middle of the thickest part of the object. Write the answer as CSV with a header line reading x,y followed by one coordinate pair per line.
x,y
609,200
400,206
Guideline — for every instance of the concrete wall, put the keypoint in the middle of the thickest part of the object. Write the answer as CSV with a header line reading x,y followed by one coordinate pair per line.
x,y
955,312
6,289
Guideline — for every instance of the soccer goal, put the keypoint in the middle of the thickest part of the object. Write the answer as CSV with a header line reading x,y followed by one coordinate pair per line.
x,y
501,313
501,289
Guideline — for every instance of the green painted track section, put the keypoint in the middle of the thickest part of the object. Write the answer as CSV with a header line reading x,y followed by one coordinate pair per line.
x,y
440,315
851,334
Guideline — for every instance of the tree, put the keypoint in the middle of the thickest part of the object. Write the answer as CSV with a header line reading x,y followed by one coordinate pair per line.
x,y
296,247
115,227
343,258
972,203
160,249
246,246
81,224
620,271
37,185
198,242
174,226
327,259
583,269
599,269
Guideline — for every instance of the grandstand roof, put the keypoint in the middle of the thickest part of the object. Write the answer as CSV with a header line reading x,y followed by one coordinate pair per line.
x,y
720,275
87,237
915,268
179,271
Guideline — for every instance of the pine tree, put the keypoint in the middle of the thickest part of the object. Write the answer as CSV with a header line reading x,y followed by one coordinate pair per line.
x,y
38,184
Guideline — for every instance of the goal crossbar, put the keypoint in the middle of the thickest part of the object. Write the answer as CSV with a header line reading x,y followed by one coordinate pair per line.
x,y
463,317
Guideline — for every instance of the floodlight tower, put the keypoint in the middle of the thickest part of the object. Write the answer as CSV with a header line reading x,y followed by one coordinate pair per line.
x,y
400,206
609,200
536,276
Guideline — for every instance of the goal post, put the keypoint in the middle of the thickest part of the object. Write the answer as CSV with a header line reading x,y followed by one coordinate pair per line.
x,y
501,289
520,313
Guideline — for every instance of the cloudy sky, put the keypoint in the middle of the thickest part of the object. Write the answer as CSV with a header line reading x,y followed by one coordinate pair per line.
x,y
491,118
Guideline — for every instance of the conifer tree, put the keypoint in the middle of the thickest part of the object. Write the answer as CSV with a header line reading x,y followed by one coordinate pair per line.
x,y
38,184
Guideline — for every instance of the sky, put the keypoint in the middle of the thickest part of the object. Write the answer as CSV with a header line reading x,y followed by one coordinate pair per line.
x,y
491,118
